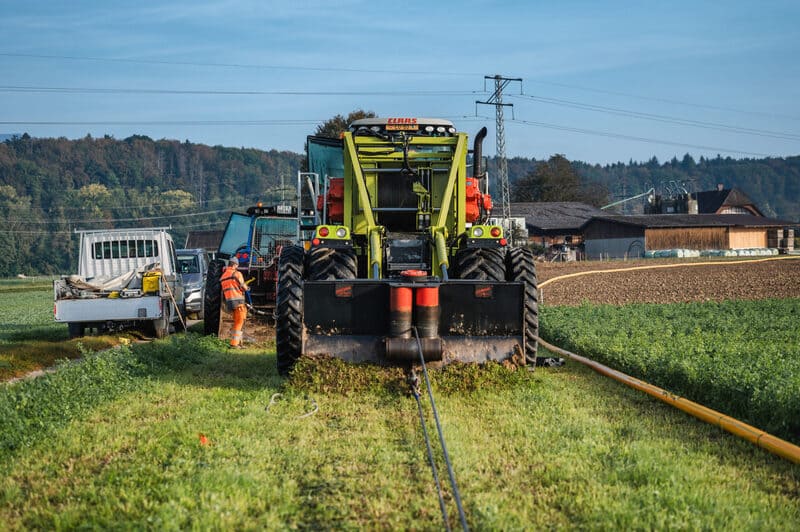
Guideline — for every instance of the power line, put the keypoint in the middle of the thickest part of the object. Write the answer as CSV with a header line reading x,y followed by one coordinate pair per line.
x,y
287,122
43,232
660,118
203,224
528,79
663,100
635,138
238,65
219,92
114,220
127,207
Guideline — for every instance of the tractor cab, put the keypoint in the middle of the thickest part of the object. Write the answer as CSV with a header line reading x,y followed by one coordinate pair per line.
x,y
256,238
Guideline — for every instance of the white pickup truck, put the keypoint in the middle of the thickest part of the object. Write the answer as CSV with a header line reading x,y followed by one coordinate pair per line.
x,y
126,278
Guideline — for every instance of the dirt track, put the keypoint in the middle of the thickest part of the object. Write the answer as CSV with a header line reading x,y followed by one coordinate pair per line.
x,y
714,282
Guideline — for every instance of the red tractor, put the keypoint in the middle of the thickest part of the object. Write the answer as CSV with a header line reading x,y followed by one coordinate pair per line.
x,y
256,239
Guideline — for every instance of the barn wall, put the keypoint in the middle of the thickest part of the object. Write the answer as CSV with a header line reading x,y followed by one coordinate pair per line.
x,y
614,248
744,238
687,238
600,229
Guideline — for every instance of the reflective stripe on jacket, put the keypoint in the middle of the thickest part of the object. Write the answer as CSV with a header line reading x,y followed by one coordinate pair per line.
x,y
232,284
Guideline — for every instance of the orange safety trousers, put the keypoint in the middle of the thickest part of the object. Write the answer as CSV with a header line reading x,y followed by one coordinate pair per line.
x,y
239,315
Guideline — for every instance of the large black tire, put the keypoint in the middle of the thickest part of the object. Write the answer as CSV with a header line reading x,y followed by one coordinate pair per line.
x,y
289,308
481,264
76,330
327,264
212,297
520,267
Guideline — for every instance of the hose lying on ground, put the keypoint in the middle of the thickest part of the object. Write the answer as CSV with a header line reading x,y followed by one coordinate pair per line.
x,y
764,440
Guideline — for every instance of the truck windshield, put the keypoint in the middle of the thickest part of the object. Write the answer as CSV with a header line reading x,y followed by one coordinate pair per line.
x,y
188,264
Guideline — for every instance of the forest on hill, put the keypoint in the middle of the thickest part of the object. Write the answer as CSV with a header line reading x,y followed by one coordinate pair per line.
x,y
50,187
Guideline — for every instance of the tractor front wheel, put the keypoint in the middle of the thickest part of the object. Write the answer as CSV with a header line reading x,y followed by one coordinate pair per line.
x,y
520,267
289,308
328,264
481,264
212,297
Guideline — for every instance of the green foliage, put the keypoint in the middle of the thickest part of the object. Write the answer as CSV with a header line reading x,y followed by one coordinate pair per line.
x,y
739,357
557,180
332,127
49,187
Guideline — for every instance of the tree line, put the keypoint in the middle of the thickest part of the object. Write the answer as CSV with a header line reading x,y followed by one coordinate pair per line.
x,y
772,183
49,187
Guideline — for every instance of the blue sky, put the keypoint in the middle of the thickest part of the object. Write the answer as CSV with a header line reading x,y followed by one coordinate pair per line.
x,y
602,81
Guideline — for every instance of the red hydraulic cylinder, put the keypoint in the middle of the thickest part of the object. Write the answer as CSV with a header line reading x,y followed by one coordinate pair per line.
x,y
401,299
427,303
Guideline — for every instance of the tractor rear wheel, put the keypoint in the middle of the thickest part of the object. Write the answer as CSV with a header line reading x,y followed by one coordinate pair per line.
x,y
327,264
482,264
520,267
289,308
212,298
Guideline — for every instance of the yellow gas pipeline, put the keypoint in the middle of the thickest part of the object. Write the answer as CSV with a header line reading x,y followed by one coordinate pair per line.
x,y
764,440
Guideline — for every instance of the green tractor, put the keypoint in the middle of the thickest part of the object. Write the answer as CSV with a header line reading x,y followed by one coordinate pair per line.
x,y
404,263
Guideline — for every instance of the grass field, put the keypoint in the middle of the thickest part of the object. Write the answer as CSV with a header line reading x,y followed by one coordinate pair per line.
x,y
176,434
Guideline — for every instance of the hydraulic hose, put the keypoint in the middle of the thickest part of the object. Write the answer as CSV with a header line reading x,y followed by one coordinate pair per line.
x,y
752,434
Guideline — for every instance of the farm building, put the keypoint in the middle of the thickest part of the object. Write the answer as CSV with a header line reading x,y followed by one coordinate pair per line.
x,y
555,223
725,201
719,201
630,236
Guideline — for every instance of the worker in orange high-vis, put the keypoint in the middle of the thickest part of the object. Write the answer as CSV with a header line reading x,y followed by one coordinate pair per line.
x,y
233,289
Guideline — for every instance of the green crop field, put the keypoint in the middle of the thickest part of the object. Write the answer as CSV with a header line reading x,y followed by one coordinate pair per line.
x,y
739,357
178,434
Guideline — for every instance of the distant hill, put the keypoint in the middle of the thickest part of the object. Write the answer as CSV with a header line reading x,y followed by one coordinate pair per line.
x,y
50,187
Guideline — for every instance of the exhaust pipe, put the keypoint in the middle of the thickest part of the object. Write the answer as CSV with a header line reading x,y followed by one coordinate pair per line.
x,y
477,153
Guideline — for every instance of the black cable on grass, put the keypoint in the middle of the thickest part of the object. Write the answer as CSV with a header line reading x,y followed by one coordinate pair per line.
x,y
451,474
414,382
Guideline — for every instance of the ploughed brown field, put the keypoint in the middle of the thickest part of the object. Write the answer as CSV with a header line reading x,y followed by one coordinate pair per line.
x,y
746,279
